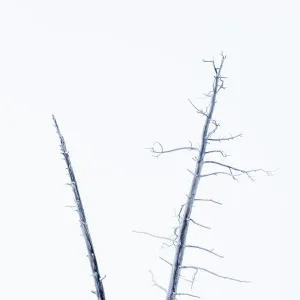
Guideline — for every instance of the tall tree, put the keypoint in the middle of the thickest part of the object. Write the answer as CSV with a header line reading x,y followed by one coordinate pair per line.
x,y
184,217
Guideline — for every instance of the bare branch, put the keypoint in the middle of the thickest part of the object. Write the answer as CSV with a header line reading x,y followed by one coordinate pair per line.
x,y
155,236
213,63
246,172
204,249
218,151
197,109
162,151
226,139
214,130
203,226
180,212
233,176
213,273
205,114
186,294
191,172
71,206
194,278
182,277
166,261
209,200
155,283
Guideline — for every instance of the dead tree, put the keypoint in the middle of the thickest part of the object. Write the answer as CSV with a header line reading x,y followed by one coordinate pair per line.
x,y
184,217
82,219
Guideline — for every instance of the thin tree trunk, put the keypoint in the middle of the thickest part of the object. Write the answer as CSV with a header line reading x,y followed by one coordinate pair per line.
x,y
183,230
82,219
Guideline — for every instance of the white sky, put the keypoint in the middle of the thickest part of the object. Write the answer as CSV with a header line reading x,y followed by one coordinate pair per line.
x,y
117,75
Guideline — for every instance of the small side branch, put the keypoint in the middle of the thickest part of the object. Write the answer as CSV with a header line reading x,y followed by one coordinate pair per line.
x,y
233,176
217,151
166,261
198,224
186,294
211,251
161,150
246,172
205,114
155,236
213,273
156,284
225,139
209,200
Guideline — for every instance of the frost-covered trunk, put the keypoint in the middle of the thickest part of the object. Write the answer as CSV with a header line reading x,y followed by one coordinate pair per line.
x,y
183,230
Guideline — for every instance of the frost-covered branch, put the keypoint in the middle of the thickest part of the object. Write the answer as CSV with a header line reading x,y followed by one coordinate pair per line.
x,y
185,219
233,176
155,236
246,172
198,224
187,294
217,151
225,139
155,283
161,150
209,200
213,273
204,249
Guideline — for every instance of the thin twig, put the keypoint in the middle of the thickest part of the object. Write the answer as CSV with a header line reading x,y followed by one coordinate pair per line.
x,y
186,294
213,273
233,176
225,139
162,151
246,172
204,249
155,236
155,283
209,200
198,224
217,151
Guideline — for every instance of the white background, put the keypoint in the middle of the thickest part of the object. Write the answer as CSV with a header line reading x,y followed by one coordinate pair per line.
x,y
117,75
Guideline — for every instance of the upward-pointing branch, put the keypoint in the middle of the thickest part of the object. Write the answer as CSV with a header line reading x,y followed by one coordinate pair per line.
x,y
83,223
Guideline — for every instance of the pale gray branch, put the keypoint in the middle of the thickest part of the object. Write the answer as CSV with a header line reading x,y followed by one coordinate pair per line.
x,y
198,224
213,273
214,130
155,236
204,249
205,114
186,294
217,151
225,139
247,172
194,278
162,151
209,200
156,284
166,261
233,176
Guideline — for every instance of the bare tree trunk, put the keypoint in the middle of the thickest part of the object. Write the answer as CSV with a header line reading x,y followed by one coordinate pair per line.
x,y
184,216
183,230
82,219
